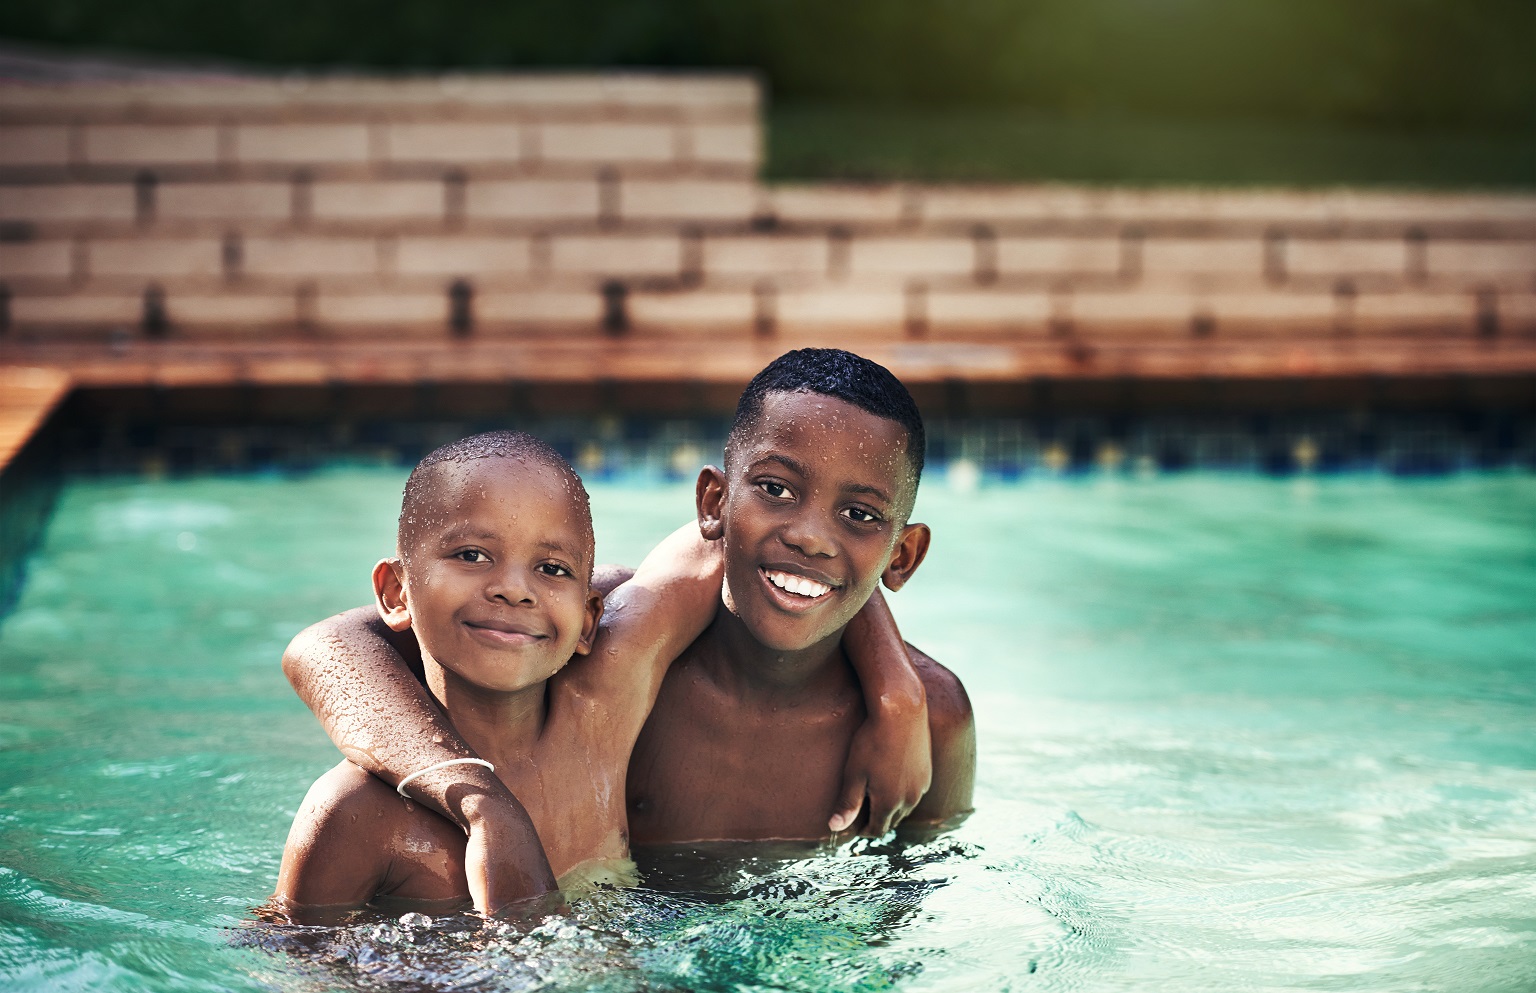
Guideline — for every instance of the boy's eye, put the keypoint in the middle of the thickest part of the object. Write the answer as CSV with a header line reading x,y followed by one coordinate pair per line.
x,y
773,489
554,569
860,514
471,555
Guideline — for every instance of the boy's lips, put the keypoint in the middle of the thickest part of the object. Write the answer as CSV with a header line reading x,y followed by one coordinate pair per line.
x,y
503,632
795,587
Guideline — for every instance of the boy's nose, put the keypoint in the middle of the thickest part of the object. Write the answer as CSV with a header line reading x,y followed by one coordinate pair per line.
x,y
512,585
808,535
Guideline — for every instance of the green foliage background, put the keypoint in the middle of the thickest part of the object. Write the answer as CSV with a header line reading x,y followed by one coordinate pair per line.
x,y
1024,73
1424,63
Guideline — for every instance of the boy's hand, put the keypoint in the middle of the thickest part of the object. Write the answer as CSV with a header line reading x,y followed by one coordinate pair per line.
x,y
891,761
498,853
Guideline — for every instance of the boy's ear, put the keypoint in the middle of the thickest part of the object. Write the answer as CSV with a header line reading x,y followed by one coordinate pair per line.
x,y
709,497
911,549
594,614
389,594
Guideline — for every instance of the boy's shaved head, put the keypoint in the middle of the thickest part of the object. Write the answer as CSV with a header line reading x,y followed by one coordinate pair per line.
x,y
419,509
839,374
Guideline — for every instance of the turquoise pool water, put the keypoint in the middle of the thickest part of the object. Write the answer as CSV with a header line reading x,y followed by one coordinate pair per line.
x,y
1236,734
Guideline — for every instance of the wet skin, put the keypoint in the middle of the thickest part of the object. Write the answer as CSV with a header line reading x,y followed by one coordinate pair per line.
x,y
494,585
749,733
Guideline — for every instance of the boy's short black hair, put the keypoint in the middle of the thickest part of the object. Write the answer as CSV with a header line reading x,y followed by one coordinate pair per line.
x,y
518,445
841,375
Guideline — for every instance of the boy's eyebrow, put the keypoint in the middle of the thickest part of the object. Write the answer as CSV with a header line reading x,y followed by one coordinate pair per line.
x,y
465,530
795,466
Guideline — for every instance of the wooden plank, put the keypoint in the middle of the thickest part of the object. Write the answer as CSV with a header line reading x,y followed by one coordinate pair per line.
x,y
28,394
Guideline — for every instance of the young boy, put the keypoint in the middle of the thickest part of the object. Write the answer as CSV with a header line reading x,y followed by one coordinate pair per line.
x,y
753,725
493,577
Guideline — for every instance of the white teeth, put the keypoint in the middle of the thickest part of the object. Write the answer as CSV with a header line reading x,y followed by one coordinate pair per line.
x,y
797,584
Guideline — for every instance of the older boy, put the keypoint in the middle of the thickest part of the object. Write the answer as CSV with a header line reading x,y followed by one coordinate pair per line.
x,y
753,723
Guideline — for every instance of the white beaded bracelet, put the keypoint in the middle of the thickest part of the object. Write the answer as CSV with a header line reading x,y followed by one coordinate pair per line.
x,y
400,789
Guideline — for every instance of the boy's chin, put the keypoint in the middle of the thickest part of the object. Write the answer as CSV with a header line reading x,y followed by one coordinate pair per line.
x,y
779,633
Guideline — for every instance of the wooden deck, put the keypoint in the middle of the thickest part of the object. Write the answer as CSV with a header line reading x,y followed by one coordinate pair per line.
x,y
28,394
175,364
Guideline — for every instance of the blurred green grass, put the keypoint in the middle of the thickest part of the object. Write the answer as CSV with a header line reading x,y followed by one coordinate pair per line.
x,y
819,141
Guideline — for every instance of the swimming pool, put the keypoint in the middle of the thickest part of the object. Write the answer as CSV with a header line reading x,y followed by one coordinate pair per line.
x,y
1235,732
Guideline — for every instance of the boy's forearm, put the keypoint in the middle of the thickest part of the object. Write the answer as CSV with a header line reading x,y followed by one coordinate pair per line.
x,y
888,758
892,687
350,671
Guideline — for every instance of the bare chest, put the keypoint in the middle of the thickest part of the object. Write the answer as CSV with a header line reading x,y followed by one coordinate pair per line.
x,y
709,767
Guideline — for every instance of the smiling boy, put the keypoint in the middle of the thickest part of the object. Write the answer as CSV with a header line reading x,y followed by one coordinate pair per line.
x,y
747,737
756,720
493,577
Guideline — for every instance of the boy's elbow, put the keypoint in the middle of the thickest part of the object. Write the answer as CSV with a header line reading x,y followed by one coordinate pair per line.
x,y
310,648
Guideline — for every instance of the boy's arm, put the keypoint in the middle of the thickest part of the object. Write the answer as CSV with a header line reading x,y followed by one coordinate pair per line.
x,y
889,758
647,622
954,744
351,670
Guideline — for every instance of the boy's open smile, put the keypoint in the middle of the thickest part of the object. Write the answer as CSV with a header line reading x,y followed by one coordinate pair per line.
x,y
804,587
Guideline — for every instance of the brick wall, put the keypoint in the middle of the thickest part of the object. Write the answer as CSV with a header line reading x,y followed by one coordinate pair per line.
x,y
628,206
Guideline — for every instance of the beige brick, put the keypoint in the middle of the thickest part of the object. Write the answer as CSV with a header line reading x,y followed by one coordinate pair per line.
x,y
311,144
1152,314
462,256
711,308
382,308
993,205
1489,259
727,144
224,201
1344,257
687,200
38,259
533,200
455,142
840,204
933,256
606,143
77,310
34,145
989,307
230,309
555,307
299,256
617,255
838,306
1408,209
1517,312
151,144
1414,313
1272,308
765,255
1052,256
81,202
159,258
378,200
1189,256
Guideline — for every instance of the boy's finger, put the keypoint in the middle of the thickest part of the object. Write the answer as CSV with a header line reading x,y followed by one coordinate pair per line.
x,y
849,800
880,815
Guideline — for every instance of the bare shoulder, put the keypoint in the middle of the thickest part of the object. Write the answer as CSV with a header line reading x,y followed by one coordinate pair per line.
x,y
952,727
339,848
949,707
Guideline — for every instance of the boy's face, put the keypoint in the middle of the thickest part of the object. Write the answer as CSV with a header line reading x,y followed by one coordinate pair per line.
x,y
495,583
813,504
